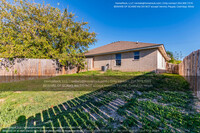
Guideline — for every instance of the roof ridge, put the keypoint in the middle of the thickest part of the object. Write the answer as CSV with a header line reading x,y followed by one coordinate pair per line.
x,y
105,45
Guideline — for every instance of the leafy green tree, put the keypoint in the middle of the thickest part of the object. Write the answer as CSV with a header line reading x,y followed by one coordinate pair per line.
x,y
174,59
32,30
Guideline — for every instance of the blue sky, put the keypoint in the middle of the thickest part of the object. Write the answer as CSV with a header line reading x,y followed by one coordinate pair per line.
x,y
177,29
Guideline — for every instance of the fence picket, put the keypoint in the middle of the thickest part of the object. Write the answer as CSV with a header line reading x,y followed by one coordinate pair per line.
x,y
189,68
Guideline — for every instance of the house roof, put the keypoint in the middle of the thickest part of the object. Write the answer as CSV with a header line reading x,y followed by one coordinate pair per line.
x,y
124,46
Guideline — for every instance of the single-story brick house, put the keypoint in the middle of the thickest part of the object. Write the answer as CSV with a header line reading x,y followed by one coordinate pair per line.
x,y
128,56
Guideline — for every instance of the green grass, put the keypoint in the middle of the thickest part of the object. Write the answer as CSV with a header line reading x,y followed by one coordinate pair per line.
x,y
26,98
149,102
107,73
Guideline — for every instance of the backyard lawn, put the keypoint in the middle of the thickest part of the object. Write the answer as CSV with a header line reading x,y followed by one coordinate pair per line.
x,y
140,102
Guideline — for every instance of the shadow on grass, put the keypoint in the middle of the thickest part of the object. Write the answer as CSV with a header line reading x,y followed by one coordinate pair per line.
x,y
164,104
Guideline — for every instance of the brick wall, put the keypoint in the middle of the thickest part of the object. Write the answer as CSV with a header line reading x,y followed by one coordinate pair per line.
x,y
147,61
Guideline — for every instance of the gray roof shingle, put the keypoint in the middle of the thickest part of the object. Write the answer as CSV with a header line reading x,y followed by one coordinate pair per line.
x,y
119,46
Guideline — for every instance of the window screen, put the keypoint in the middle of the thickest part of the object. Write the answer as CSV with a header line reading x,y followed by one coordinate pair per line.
x,y
136,55
118,59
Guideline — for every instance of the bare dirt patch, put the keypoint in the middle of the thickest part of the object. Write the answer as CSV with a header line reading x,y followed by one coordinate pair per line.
x,y
18,92
2,100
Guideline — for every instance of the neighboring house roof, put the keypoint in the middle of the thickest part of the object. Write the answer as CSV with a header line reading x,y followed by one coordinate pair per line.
x,y
125,46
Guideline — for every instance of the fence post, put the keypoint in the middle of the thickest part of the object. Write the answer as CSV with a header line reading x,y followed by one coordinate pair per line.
x,y
39,68
63,69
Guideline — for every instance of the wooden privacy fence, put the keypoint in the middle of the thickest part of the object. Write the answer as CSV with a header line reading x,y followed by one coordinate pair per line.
x,y
190,69
32,68
172,68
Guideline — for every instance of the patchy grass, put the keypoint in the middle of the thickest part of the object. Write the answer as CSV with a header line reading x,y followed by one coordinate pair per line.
x,y
28,103
149,102
119,73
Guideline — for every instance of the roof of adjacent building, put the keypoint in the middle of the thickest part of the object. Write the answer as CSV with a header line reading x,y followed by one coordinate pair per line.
x,y
124,46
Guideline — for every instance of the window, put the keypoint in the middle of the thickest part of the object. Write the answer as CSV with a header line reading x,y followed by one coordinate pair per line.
x,y
136,55
118,59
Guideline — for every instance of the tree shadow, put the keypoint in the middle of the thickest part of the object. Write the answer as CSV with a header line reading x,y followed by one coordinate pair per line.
x,y
164,104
